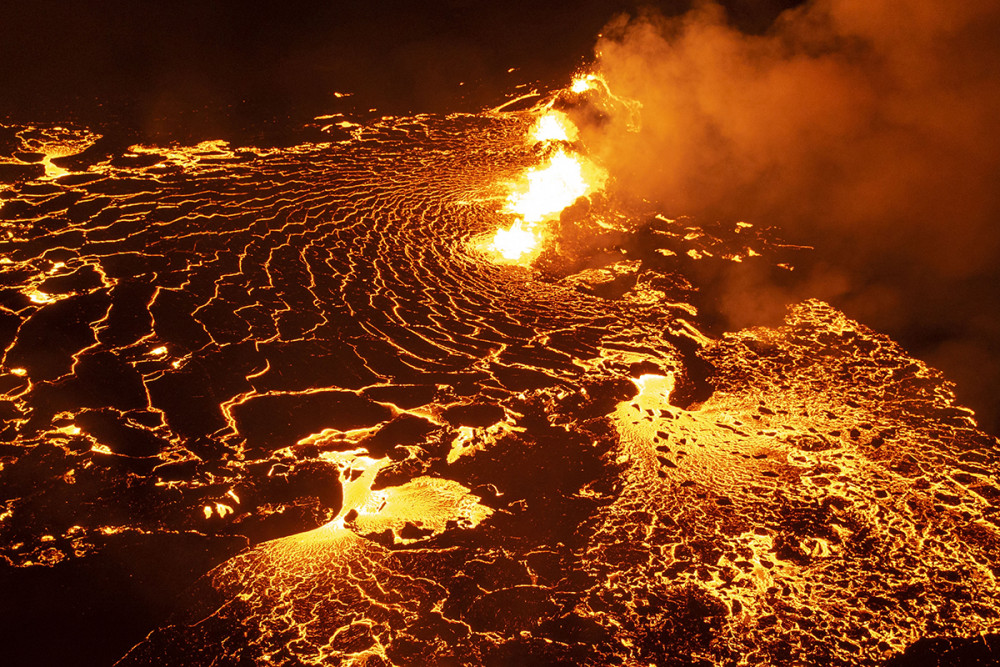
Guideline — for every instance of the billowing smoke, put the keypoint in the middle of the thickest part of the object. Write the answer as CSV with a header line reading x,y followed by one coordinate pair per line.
x,y
865,129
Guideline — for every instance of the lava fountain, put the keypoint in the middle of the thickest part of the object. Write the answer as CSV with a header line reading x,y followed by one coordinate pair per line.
x,y
545,191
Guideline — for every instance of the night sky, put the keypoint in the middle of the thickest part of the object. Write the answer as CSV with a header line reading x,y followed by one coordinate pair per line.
x,y
191,69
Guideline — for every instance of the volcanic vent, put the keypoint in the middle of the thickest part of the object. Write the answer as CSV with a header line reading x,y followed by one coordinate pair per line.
x,y
395,415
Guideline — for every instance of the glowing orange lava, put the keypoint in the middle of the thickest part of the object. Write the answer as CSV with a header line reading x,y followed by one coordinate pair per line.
x,y
515,241
554,126
583,82
547,190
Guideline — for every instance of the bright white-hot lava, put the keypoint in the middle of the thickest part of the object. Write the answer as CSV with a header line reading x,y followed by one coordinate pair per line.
x,y
546,190
554,126
583,82
515,241
549,189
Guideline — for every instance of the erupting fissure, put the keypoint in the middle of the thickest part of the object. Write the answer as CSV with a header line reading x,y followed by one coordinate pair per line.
x,y
545,191
308,379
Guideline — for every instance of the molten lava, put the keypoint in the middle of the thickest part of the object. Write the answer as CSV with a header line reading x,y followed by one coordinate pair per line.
x,y
515,241
550,189
554,126
583,82
283,371
547,190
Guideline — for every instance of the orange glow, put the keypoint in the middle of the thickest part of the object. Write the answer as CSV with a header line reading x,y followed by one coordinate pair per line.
x,y
545,191
515,241
554,126
438,398
583,82
543,194
37,296
549,189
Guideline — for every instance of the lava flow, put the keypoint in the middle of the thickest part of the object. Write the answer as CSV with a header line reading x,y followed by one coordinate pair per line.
x,y
313,392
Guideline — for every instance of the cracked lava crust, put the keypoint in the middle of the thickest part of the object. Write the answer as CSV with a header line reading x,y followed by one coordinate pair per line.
x,y
288,407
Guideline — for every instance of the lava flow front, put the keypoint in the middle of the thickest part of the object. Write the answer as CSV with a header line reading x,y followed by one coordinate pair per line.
x,y
301,389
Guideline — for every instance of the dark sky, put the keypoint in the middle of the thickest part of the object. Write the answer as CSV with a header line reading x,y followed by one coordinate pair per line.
x,y
188,68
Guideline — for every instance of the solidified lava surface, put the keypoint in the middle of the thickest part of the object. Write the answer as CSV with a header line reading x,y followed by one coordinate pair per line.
x,y
281,407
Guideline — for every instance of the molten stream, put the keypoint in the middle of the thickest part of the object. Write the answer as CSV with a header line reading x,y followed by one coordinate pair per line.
x,y
546,191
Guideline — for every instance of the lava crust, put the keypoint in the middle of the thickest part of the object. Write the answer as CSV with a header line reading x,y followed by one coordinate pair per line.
x,y
283,407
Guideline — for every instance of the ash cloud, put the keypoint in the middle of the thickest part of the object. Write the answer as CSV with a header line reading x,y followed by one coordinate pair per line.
x,y
864,129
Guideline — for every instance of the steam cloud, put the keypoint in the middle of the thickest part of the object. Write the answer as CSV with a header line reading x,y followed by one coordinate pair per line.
x,y
865,129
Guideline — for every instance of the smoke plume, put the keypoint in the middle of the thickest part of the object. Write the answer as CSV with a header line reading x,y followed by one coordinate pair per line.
x,y
864,129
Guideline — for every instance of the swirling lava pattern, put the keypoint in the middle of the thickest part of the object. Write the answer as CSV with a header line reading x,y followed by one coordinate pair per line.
x,y
304,365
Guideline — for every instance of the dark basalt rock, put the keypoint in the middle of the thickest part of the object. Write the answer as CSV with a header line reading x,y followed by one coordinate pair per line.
x,y
476,414
50,337
403,430
275,421
131,584
108,428
18,173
